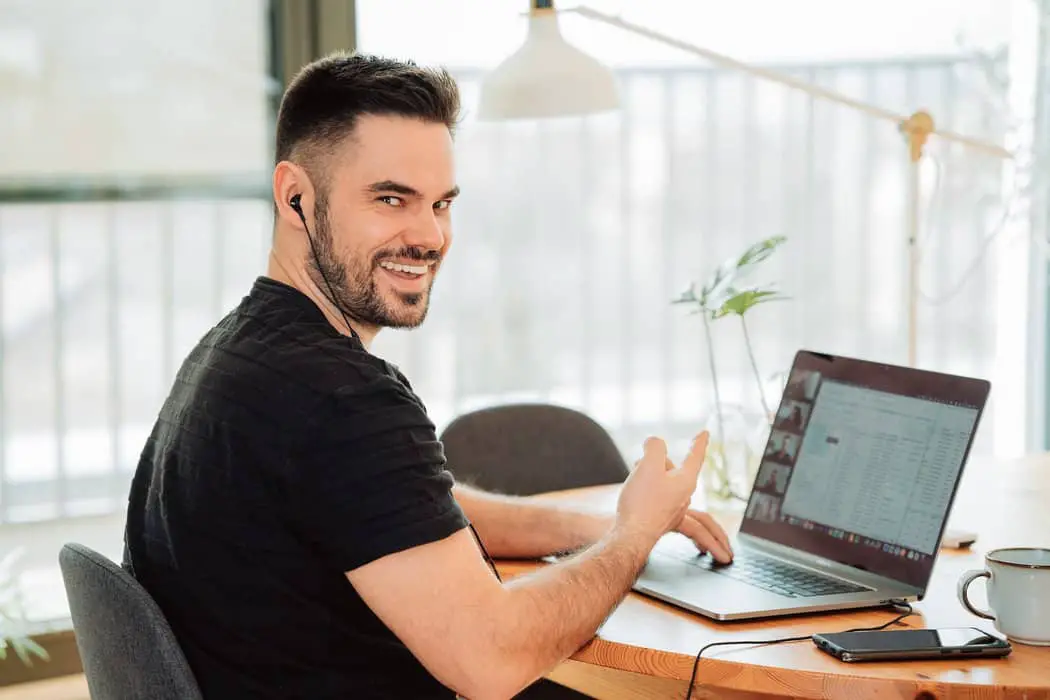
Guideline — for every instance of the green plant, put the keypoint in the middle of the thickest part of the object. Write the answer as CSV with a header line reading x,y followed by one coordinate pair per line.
x,y
12,616
721,296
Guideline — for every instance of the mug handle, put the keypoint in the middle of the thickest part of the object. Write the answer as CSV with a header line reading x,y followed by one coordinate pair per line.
x,y
964,585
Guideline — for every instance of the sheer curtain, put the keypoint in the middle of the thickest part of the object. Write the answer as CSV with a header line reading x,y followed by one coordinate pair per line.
x,y
573,235
130,220
128,224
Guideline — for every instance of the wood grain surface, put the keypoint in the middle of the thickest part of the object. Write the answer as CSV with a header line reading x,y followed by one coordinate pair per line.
x,y
1006,502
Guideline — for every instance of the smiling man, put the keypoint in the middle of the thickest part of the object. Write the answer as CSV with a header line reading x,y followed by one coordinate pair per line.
x,y
291,512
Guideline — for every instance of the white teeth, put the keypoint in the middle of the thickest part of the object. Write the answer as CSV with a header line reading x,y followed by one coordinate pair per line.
x,y
411,269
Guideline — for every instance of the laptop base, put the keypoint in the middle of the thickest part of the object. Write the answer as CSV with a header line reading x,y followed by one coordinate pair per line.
x,y
669,579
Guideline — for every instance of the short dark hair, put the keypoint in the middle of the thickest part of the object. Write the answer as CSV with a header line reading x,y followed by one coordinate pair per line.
x,y
323,102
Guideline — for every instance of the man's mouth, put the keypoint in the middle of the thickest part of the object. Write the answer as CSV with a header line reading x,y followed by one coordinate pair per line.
x,y
408,276
420,269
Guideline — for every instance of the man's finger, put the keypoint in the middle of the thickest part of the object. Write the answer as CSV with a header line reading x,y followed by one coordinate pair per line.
x,y
704,539
697,452
656,450
713,527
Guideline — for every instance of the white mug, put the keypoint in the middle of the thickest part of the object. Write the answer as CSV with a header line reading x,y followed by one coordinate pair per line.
x,y
1018,593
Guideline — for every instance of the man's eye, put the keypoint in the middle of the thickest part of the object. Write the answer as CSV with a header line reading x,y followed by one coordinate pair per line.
x,y
443,204
391,200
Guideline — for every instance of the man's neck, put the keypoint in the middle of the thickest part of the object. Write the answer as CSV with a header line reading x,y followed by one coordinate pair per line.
x,y
296,276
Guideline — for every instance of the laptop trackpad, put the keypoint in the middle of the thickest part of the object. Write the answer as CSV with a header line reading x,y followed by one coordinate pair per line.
x,y
701,589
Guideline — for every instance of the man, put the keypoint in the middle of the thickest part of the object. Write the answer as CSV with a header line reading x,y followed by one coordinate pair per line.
x,y
292,514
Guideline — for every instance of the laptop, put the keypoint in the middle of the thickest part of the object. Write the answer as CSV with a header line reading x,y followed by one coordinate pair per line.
x,y
850,500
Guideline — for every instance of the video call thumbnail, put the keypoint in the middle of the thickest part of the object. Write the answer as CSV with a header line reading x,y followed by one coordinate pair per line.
x,y
763,506
782,447
773,477
793,415
803,384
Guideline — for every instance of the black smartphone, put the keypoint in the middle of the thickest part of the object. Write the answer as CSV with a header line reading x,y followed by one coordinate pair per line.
x,y
885,645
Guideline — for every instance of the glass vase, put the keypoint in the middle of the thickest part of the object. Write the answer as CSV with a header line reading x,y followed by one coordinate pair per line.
x,y
737,441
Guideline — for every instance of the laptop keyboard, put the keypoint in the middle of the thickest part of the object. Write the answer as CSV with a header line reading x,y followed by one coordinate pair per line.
x,y
770,574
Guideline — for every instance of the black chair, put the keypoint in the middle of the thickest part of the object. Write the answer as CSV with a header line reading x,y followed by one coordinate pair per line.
x,y
524,449
126,646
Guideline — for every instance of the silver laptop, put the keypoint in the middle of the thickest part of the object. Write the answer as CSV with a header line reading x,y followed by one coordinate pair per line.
x,y
850,500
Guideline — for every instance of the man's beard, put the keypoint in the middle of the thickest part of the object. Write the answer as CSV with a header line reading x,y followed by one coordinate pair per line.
x,y
353,285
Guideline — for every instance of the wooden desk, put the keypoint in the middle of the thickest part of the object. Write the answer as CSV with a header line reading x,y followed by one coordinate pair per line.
x,y
646,648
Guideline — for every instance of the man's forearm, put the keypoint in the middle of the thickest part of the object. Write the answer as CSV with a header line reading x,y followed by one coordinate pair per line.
x,y
549,614
515,527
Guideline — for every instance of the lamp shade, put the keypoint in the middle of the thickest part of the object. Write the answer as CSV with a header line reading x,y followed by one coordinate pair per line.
x,y
547,77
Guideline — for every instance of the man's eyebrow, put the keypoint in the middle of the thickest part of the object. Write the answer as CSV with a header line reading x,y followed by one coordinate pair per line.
x,y
407,191
395,187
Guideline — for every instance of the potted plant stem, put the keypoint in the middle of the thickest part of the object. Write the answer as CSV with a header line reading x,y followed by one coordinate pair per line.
x,y
720,297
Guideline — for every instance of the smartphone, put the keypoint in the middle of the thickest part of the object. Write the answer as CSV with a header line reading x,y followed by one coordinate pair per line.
x,y
885,645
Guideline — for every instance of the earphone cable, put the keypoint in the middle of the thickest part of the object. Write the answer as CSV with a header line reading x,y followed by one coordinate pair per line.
x,y
295,203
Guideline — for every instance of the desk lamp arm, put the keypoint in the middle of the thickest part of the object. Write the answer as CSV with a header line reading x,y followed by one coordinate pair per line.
x,y
916,128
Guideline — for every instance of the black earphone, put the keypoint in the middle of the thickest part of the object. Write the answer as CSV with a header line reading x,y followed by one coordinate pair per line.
x,y
296,203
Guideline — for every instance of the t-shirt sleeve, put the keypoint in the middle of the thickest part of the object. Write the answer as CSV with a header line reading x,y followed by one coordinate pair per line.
x,y
371,479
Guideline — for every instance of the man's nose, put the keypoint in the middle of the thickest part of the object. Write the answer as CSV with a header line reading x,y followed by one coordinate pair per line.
x,y
427,232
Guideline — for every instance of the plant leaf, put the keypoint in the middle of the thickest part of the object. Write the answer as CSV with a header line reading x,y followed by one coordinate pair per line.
x,y
7,564
687,297
40,651
21,652
25,648
742,301
760,251
719,288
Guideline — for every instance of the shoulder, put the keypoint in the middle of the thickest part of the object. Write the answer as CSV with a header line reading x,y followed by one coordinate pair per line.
x,y
349,382
369,476
369,405
279,347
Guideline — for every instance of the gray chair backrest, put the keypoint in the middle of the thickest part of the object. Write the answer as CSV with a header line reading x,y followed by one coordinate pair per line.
x,y
126,645
523,449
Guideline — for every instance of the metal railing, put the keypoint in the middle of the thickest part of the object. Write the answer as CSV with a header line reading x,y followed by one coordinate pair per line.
x,y
105,287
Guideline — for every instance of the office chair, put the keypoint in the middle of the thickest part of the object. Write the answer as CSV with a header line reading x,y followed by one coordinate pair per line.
x,y
126,645
524,449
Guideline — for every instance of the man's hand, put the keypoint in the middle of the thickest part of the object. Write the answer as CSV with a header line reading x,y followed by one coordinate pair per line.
x,y
707,534
655,498
524,527
697,525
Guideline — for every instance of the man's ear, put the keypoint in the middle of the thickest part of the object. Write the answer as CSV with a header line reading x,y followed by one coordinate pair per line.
x,y
290,180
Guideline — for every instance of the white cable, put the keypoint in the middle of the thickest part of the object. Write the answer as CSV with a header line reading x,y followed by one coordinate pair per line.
x,y
932,208
978,259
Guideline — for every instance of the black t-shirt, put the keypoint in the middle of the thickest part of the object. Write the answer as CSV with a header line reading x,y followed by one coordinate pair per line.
x,y
286,455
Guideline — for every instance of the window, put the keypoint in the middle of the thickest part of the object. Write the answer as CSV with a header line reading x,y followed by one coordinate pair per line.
x,y
574,235
134,210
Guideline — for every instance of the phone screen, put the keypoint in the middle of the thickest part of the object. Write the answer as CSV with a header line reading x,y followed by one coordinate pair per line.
x,y
892,640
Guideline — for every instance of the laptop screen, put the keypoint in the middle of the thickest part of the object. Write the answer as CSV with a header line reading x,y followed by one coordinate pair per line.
x,y
863,461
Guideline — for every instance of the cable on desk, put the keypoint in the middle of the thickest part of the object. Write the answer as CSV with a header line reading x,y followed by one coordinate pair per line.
x,y
899,605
